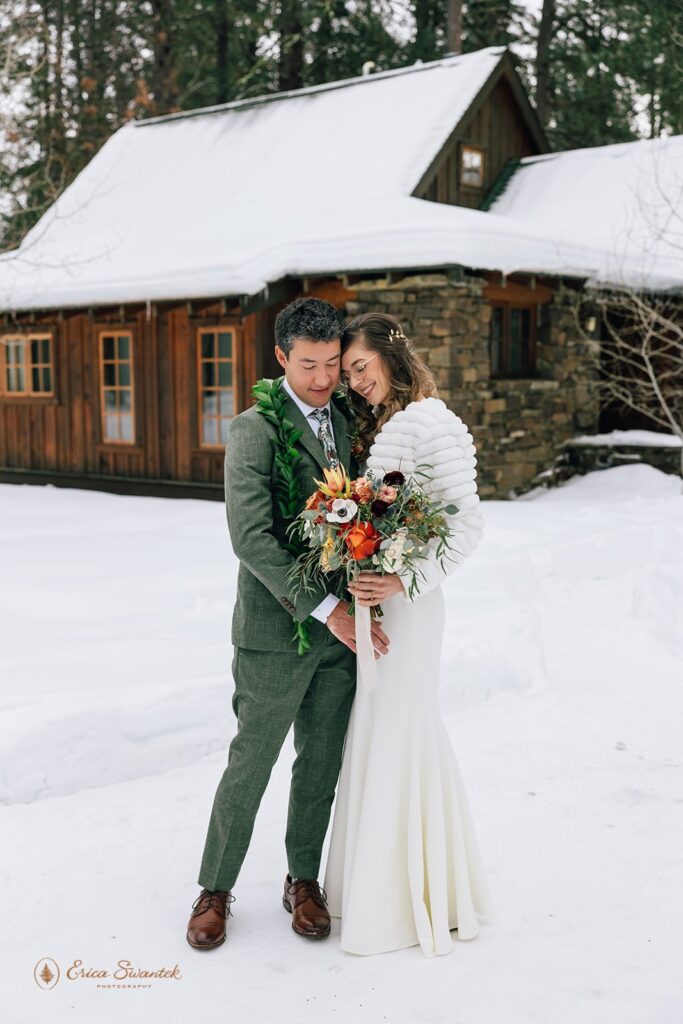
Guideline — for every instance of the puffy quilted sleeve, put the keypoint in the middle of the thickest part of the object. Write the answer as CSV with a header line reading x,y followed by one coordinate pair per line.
x,y
445,451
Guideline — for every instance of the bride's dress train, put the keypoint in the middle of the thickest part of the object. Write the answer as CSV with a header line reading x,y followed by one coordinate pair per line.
x,y
404,865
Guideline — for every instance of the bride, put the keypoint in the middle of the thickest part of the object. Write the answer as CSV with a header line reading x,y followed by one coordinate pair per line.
x,y
404,865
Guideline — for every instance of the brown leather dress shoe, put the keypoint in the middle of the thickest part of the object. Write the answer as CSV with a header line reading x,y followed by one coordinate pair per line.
x,y
306,902
206,927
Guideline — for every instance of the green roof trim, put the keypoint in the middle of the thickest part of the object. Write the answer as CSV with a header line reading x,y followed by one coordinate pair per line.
x,y
500,184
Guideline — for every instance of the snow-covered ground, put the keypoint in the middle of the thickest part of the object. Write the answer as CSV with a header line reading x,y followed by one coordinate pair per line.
x,y
562,689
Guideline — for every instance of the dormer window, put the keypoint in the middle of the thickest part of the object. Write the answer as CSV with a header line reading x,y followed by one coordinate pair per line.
x,y
472,167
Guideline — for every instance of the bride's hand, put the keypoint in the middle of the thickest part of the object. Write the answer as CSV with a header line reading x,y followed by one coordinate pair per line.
x,y
372,588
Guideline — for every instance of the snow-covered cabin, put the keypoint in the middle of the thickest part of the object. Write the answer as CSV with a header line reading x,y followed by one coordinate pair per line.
x,y
138,311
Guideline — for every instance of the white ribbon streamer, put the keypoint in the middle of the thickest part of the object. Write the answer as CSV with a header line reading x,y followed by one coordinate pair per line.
x,y
365,652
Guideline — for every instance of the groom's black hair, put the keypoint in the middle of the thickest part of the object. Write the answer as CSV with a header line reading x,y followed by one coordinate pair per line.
x,y
314,319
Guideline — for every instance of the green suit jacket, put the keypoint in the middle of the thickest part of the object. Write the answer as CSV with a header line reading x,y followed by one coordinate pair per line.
x,y
265,605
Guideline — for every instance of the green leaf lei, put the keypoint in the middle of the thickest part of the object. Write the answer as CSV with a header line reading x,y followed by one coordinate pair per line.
x,y
270,401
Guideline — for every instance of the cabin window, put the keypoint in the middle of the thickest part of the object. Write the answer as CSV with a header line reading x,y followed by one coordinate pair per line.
x,y
472,167
216,376
27,365
512,340
117,387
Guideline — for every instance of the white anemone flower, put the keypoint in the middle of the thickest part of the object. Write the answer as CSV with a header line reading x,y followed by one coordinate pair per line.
x,y
343,511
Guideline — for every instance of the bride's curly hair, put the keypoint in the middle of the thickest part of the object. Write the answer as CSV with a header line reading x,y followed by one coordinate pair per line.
x,y
409,377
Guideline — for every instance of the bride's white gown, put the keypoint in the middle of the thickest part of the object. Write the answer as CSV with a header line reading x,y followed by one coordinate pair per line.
x,y
404,865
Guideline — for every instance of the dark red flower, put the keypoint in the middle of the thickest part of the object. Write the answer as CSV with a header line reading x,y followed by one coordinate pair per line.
x,y
394,478
378,508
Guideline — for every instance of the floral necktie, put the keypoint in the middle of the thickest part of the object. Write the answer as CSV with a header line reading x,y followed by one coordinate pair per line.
x,y
326,437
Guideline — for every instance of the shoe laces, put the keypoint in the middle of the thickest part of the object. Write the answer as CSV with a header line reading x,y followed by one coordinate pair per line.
x,y
213,901
304,889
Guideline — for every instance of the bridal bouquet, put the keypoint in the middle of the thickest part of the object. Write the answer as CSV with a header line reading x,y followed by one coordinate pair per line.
x,y
378,525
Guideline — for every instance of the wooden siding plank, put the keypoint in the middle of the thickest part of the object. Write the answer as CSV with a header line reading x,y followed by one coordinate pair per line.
x,y
75,408
185,401
166,395
148,331
36,453
90,391
63,415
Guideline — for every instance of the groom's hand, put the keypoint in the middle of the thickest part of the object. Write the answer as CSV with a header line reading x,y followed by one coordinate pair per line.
x,y
343,626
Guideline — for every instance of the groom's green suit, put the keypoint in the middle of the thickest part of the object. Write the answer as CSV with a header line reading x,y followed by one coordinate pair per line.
x,y
274,686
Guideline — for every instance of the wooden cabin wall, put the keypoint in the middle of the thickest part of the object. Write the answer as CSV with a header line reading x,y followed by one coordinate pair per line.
x,y
49,433
62,433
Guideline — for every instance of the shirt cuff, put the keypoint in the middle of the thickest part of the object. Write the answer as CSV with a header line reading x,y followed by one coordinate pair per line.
x,y
325,608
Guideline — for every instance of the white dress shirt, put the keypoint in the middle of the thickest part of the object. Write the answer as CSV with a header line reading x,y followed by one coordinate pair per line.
x,y
329,603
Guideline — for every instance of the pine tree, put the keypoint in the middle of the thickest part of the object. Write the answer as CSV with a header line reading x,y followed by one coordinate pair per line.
x,y
615,71
491,23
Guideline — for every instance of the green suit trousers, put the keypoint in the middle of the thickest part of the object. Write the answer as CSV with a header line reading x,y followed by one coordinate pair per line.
x,y
314,693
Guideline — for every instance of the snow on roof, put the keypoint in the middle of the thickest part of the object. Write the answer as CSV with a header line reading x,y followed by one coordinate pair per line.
x,y
198,204
226,200
624,200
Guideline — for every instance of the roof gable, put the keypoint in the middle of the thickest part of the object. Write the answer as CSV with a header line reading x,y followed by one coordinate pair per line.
x,y
505,69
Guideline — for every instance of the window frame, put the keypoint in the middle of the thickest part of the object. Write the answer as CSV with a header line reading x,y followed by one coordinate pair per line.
x,y
26,338
114,331
505,372
467,147
222,328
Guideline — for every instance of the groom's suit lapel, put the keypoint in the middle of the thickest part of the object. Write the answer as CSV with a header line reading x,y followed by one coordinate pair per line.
x,y
310,442
340,425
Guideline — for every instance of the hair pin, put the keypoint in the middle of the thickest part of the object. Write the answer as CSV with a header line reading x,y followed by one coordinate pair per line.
x,y
397,333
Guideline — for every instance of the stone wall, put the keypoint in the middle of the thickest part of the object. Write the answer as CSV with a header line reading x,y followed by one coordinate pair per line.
x,y
517,424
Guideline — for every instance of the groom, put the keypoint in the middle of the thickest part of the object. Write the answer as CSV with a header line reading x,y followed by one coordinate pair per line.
x,y
275,687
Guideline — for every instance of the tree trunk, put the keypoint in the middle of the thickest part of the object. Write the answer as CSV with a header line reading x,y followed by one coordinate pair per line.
x,y
165,74
454,27
543,87
291,66
223,21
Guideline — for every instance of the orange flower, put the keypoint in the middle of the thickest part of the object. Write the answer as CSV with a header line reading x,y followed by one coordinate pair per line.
x,y
363,541
314,501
